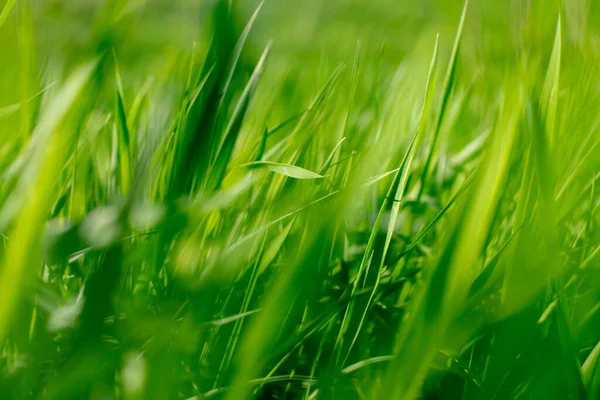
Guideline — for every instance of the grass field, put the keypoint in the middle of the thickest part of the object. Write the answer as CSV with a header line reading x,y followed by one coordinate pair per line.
x,y
299,200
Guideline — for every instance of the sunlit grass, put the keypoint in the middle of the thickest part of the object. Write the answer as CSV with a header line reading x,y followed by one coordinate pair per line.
x,y
221,229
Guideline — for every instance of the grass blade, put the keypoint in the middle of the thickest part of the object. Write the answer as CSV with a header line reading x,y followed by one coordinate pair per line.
x,y
446,90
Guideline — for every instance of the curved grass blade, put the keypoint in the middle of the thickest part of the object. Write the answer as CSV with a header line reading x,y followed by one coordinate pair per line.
x,y
446,90
589,372
237,51
10,4
446,287
549,96
33,200
231,133
288,170
196,141
358,308
27,77
124,151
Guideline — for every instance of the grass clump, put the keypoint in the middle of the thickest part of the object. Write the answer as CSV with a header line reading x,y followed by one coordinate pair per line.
x,y
222,229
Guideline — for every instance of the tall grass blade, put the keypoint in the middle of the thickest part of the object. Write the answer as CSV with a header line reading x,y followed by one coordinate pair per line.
x,y
446,91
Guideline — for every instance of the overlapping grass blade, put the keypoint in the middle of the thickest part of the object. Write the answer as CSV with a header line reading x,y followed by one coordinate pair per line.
x,y
395,197
446,91
28,207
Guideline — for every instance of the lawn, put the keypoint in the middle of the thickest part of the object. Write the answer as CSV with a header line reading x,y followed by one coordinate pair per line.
x,y
341,199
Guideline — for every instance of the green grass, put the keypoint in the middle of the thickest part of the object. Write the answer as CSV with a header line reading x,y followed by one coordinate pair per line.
x,y
226,212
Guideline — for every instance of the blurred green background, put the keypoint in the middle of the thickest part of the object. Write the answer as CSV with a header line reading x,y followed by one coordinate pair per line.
x,y
306,33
